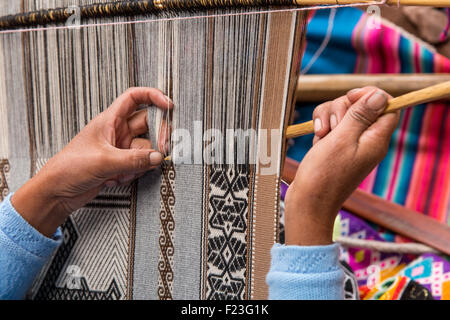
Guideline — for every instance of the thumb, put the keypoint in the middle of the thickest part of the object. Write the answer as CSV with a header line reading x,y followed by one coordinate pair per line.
x,y
133,161
362,114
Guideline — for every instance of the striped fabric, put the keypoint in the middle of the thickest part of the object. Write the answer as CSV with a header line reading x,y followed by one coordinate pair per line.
x,y
416,171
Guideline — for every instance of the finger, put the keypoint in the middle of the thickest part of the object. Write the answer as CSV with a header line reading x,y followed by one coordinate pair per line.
x,y
362,114
137,143
374,142
137,123
321,117
128,102
337,110
315,140
141,143
131,161
356,94
164,137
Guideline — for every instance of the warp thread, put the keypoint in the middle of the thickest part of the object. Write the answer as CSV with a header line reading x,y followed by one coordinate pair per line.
x,y
309,8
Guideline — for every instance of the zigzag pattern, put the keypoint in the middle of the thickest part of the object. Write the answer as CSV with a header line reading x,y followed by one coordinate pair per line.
x,y
4,174
166,234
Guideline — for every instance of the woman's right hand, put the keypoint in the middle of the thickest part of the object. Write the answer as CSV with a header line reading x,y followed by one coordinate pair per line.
x,y
107,152
352,137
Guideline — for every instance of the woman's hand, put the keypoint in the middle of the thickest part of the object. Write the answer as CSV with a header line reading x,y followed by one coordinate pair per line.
x,y
352,137
106,152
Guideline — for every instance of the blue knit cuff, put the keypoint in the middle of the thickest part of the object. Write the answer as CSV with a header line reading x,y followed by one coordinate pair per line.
x,y
305,259
14,226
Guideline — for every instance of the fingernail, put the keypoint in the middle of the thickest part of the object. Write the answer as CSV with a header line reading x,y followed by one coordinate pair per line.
x,y
317,125
127,178
333,121
356,90
156,158
377,100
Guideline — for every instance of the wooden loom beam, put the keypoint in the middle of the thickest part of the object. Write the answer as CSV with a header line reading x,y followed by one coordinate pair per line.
x,y
430,3
433,93
129,7
325,87
394,217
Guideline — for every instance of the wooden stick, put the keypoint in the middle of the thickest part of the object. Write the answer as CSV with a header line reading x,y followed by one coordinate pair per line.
x,y
391,216
401,220
430,3
437,92
325,87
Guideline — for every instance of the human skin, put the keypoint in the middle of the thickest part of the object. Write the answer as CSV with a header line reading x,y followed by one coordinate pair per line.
x,y
106,153
351,137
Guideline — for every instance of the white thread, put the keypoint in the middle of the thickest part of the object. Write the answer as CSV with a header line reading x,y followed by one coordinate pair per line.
x,y
353,5
166,117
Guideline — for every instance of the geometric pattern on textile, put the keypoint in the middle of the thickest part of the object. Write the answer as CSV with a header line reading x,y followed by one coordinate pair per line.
x,y
165,265
415,291
76,286
350,284
392,275
227,233
396,288
4,174
432,272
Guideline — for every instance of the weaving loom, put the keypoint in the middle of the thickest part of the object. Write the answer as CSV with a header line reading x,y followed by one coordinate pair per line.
x,y
186,231
201,226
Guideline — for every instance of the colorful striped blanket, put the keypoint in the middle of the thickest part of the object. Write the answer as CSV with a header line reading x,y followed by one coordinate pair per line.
x,y
416,170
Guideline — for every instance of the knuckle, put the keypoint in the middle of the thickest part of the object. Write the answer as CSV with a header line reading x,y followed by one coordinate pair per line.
x,y
316,112
340,105
139,162
130,90
130,94
363,114
320,109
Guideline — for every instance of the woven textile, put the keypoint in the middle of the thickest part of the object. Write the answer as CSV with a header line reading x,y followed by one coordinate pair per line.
x,y
392,276
199,227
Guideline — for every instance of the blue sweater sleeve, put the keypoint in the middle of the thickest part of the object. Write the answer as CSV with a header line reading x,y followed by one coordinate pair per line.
x,y
23,252
305,273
